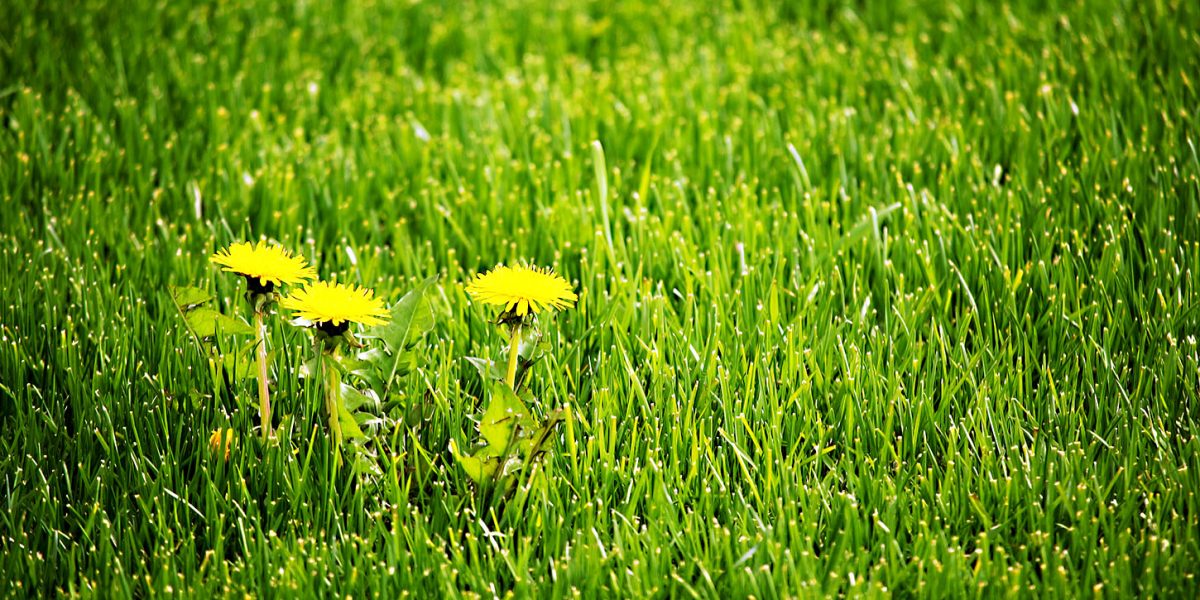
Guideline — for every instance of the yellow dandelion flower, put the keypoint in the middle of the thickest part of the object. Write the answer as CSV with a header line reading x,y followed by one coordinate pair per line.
x,y
269,264
335,304
522,290
214,441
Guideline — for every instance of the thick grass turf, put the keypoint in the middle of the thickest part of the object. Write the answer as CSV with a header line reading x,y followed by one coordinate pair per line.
x,y
874,299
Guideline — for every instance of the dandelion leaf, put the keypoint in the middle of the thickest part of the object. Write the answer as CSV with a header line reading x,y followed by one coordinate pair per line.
x,y
411,318
487,369
187,297
353,399
477,467
504,412
350,429
240,363
206,322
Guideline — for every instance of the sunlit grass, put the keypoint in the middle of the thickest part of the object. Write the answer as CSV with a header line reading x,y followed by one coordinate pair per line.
x,y
892,298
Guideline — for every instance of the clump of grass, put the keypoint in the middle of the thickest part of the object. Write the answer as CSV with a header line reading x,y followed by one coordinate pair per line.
x,y
892,298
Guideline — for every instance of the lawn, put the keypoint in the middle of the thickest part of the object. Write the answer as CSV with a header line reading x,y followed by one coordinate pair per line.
x,y
885,298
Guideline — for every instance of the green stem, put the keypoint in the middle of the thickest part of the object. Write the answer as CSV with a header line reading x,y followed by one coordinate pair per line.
x,y
333,402
514,350
264,390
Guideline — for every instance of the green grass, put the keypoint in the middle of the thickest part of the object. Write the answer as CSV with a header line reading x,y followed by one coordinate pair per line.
x,y
881,299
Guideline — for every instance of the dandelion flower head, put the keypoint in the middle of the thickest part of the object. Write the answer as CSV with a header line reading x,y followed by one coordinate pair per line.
x,y
522,290
335,303
214,441
268,263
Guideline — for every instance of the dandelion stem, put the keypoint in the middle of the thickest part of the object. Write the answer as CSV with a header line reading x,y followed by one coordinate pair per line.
x,y
514,350
264,390
333,402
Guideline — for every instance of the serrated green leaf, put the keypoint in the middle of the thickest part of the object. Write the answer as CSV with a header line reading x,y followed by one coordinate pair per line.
x,y
232,326
477,468
206,322
353,399
203,321
540,441
368,421
487,369
369,377
371,356
187,297
350,364
350,430
504,412
411,318
240,363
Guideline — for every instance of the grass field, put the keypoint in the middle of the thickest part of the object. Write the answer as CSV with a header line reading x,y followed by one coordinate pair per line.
x,y
895,298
